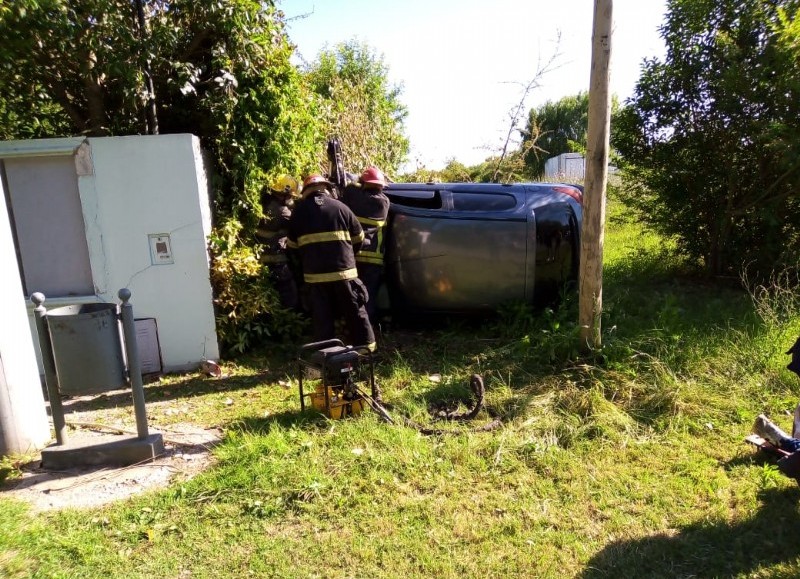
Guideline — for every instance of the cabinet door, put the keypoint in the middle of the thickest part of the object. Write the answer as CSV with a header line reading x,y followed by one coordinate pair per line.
x,y
48,223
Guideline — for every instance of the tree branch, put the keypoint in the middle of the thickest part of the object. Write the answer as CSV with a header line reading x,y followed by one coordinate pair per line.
x,y
765,195
518,110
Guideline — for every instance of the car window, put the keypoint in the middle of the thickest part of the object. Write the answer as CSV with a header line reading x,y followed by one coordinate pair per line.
x,y
421,199
463,201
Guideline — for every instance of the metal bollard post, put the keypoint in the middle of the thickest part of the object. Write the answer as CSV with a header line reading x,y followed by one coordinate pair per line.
x,y
50,376
134,368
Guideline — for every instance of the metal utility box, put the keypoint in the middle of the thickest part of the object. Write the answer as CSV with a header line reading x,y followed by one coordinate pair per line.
x,y
87,348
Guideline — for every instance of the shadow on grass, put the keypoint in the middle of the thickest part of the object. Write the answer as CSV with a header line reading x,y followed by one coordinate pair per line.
x,y
191,386
753,457
710,549
308,419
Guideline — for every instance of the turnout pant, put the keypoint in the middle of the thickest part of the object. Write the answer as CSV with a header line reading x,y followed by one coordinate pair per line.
x,y
346,298
370,274
283,281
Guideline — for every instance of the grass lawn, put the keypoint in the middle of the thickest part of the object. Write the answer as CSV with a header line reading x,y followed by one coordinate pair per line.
x,y
629,463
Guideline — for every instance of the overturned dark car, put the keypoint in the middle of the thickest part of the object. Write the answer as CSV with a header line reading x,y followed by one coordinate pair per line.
x,y
469,247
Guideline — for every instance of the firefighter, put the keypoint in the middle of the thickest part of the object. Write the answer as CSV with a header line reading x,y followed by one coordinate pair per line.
x,y
327,234
276,207
367,200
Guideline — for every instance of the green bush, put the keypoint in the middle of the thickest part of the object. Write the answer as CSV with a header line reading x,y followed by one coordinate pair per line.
x,y
248,310
709,140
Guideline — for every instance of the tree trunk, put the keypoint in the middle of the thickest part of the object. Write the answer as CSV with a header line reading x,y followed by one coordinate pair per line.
x,y
150,107
721,231
62,97
97,126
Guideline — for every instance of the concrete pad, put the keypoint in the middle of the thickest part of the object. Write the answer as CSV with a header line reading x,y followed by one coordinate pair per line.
x,y
102,450
187,452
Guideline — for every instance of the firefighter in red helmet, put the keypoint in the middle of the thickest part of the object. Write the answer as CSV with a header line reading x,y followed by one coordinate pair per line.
x,y
327,234
367,200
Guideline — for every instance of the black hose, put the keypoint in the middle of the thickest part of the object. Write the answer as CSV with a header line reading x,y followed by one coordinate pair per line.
x,y
477,387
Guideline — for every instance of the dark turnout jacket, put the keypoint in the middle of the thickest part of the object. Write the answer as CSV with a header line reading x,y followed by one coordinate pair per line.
x,y
272,231
327,235
371,207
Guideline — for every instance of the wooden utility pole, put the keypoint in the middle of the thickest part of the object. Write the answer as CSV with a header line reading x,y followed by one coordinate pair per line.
x,y
594,200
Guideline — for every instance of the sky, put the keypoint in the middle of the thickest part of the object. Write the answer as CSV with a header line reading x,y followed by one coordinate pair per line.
x,y
463,64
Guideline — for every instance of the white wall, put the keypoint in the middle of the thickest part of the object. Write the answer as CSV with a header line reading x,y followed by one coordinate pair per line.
x,y
568,166
145,185
565,166
23,419
130,188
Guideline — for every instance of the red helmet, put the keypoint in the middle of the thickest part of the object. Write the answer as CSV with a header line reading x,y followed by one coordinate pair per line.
x,y
315,179
315,182
373,176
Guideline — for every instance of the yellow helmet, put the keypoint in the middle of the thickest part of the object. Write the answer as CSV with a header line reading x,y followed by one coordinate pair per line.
x,y
284,185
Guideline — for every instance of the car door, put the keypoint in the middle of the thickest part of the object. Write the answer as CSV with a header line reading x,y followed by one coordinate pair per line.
x,y
484,240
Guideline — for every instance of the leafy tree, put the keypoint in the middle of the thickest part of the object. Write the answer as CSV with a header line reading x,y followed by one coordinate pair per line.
x,y
557,127
711,137
554,128
360,106
453,172
510,169
220,70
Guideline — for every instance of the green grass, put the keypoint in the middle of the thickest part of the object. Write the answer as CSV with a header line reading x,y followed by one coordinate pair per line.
x,y
628,463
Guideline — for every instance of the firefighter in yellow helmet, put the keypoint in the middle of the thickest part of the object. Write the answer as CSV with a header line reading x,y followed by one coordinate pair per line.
x,y
276,207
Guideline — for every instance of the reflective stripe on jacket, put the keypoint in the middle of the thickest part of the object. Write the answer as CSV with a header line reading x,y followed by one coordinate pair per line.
x,y
326,233
371,207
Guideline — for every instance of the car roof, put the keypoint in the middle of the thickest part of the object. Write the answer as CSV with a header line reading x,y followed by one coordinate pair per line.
x,y
478,187
538,194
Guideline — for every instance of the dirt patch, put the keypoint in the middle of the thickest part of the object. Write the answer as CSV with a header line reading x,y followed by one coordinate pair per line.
x,y
186,453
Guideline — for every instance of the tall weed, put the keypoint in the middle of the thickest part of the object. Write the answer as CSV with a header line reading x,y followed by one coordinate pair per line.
x,y
776,300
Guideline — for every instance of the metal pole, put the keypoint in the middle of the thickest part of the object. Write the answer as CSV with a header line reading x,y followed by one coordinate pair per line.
x,y
50,376
134,368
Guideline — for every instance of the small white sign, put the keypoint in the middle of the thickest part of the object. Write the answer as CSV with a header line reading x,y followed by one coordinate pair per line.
x,y
160,249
